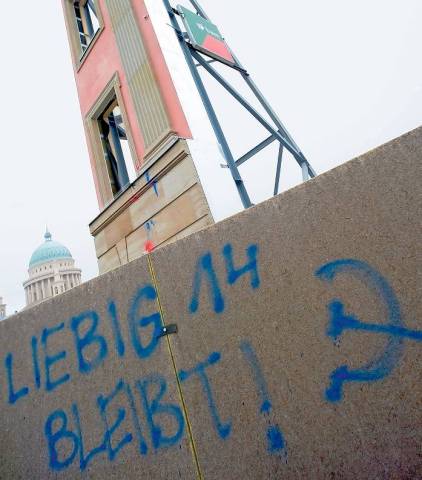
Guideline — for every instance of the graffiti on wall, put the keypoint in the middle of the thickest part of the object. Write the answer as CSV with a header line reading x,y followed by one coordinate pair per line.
x,y
338,321
140,413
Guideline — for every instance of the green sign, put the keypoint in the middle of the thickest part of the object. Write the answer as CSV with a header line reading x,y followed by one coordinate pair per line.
x,y
205,36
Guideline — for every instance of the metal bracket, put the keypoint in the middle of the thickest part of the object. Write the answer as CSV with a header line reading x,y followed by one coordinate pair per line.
x,y
168,330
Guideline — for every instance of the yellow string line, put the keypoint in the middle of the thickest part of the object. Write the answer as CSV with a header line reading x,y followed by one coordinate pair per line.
x,y
179,386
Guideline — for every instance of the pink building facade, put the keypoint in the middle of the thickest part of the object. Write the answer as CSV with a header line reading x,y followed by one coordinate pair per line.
x,y
153,155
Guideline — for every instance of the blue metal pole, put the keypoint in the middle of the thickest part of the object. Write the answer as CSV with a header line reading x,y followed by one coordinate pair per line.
x,y
248,107
277,174
267,107
210,111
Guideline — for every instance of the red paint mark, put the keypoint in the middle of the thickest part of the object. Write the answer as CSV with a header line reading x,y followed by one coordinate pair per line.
x,y
149,246
218,48
135,197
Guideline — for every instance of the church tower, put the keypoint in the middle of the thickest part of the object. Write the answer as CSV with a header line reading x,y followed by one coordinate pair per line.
x,y
51,272
155,161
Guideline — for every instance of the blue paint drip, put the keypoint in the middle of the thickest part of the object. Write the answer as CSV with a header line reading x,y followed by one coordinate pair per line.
x,y
149,225
384,363
258,376
275,437
154,182
266,406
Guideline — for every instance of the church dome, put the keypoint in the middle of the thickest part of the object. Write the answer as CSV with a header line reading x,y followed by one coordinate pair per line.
x,y
49,251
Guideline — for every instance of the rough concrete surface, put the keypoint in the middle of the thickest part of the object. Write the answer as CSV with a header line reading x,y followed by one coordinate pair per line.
x,y
27,451
298,351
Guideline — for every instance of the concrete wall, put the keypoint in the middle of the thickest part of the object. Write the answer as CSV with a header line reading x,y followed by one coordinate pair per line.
x,y
298,352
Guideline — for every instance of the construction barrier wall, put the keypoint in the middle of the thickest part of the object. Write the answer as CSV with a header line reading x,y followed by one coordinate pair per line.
x,y
292,347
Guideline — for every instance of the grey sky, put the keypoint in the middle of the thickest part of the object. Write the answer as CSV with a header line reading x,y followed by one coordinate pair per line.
x,y
344,76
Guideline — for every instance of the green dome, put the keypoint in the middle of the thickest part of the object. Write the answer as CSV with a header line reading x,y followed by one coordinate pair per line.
x,y
49,251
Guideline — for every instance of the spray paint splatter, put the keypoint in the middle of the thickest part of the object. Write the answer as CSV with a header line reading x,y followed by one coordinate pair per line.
x,y
154,182
149,244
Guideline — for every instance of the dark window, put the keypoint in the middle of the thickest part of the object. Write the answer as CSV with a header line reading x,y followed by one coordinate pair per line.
x,y
86,21
116,147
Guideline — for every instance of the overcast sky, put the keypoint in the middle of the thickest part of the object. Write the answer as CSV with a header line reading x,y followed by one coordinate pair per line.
x,y
344,76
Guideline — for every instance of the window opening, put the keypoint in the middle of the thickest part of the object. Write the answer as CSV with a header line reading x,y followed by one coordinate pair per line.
x,y
116,149
86,21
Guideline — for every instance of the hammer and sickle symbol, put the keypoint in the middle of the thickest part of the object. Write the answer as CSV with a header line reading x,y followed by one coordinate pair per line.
x,y
384,363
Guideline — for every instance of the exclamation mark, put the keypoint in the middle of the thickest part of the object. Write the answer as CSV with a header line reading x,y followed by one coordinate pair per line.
x,y
275,439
